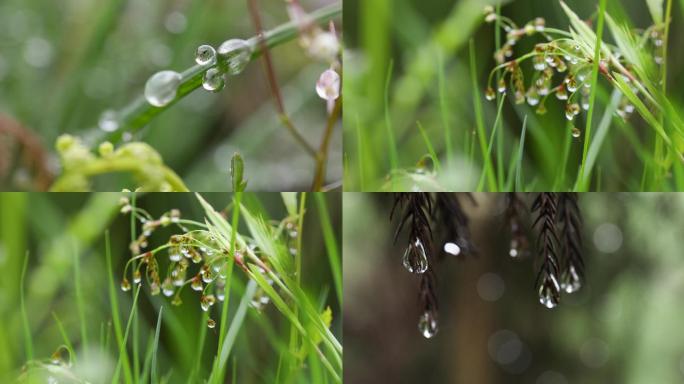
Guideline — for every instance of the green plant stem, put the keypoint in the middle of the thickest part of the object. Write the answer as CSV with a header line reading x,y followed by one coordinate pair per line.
x,y
28,341
479,120
80,307
392,144
294,342
139,112
322,154
583,186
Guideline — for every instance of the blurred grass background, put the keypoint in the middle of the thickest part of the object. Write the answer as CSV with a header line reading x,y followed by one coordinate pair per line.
x,y
623,326
58,230
426,44
62,64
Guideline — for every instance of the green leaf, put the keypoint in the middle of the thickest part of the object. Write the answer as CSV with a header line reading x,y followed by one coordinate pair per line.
x,y
237,169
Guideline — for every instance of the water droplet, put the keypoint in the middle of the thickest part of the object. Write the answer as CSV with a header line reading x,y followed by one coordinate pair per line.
x,y
328,85
125,285
415,259
539,63
167,287
427,324
501,87
137,277
576,133
211,323
196,284
207,301
213,80
452,248
549,291
162,87
490,94
532,96
108,121
237,54
658,42
174,255
205,55
570,280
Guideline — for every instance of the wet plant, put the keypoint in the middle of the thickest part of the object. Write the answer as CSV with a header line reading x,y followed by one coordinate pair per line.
x,y
215,68
553,219
180,280
568,103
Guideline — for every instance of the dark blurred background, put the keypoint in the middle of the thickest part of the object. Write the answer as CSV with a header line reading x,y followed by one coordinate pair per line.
x,y
63,63
623,326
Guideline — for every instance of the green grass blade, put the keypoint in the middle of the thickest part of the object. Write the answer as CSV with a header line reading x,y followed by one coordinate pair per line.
x,y
592,97
28,341
123,355
479,120
155,348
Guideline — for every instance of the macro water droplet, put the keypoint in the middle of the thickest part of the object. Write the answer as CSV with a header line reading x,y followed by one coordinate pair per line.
x,y
570,280
576,133
532,96
539,63
167,287
108,121
490,94
213,80
125,285
211,323
162,87
549,292
196,284
452,248
415,259
501,86
328,85
237,54
137,277
427,324
205,55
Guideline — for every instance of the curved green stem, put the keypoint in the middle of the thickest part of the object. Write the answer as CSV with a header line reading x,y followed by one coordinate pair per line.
x,y
139,112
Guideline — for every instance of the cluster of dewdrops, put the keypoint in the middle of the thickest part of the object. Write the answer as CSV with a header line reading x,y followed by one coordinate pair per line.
x,y
195,259
561,56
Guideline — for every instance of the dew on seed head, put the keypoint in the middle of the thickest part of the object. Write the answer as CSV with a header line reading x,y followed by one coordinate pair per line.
x,y
205,55
328,85
137,277
576,132
213,80
415,259
108,121
571,280
501,86
549,291
427,324
125,285
490,94
162,87
211,323
237,54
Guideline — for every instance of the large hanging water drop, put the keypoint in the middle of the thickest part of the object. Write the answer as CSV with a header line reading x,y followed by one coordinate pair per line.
x,y
205,55
213,80
549,292
162,87
415,259
427,324
570,280
237,53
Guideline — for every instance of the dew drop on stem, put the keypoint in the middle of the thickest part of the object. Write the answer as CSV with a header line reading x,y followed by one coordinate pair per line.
x,y
576,133
162,87
205,55
236,53
213,80
108,121
427,324
211,323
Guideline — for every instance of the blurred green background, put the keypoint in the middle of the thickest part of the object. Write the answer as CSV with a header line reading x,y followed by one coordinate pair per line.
x,y
623,326
57,230
427,44
63,63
